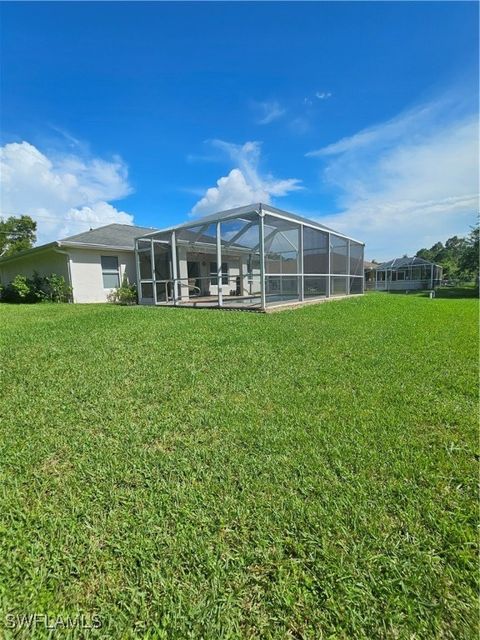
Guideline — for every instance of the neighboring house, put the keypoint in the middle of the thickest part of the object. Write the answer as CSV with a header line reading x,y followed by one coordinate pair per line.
x,y
403,274
92,263
369,270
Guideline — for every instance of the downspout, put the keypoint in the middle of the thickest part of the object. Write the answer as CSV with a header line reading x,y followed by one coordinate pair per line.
x,y
69,269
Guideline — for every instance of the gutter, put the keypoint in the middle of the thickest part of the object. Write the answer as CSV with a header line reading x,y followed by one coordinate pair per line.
x,y
26,252
89,245
58,243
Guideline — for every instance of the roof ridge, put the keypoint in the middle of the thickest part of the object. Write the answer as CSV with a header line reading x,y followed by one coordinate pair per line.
x,y
106,226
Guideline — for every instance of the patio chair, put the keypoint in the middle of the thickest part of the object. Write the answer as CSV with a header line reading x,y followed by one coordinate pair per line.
x,y
192,287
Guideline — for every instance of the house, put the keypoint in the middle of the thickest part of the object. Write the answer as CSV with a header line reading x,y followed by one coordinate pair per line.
x,y
92,263
369,270
252,257
403,274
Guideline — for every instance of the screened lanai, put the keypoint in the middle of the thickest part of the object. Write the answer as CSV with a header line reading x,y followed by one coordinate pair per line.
x,y
404,274
252,257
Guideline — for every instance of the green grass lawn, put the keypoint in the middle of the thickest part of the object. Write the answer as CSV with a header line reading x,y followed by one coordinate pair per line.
x,y
205,474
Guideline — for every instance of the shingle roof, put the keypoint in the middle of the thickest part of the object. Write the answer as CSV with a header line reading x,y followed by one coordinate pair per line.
x,y
111,235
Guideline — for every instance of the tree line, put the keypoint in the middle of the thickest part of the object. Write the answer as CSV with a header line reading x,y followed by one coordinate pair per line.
x,y
459,257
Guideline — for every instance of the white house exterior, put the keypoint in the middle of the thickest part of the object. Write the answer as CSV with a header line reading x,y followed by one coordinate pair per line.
x,y
92,263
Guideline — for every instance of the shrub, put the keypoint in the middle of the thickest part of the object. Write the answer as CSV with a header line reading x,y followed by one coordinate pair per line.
x,y
52,288
57,290
18,290
38,288
126,294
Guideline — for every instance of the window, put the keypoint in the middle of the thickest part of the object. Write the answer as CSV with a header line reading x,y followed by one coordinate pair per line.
x,y
213,273
110,275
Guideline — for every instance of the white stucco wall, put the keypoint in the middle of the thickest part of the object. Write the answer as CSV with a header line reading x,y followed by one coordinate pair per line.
x,y
86,272
44,262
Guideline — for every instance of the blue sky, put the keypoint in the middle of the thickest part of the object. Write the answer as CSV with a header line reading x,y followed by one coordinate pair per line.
x,y
361,115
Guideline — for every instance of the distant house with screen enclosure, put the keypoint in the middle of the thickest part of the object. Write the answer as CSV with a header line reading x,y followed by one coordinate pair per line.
x,y
402,274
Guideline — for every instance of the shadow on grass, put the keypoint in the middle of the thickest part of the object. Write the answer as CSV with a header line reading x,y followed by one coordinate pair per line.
x,y
443,292
456,292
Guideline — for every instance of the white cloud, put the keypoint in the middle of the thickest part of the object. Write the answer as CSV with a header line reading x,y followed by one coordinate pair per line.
x,y
421,120
64,194
244,184
268,111
231,191
323,95
405,183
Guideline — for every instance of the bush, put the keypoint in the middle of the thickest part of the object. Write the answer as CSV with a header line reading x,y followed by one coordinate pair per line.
x,y
18,290
126,294
57,290
38,288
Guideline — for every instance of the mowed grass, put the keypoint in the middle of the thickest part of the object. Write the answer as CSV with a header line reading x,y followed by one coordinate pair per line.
x,y
205,474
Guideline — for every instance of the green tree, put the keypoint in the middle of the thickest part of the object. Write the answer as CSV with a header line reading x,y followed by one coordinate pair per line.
x,y
468,262
459,256
437,249
455,244
17,234
425,254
